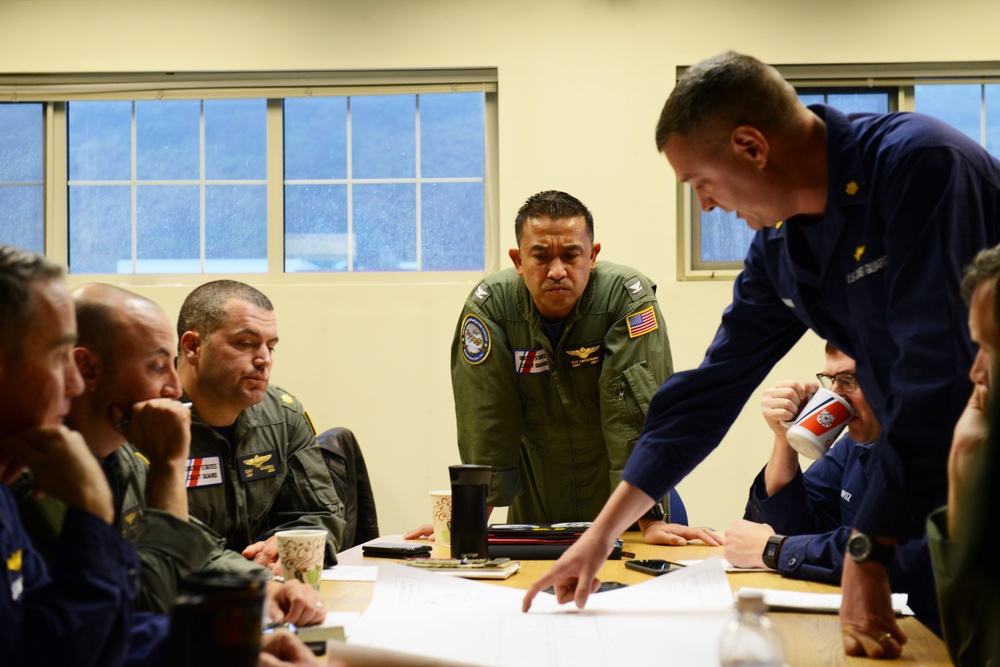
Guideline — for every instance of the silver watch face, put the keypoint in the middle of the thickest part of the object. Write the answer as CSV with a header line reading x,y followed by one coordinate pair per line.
x,y
859,547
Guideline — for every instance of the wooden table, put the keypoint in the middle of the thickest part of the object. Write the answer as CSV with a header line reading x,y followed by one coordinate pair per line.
x,y
811,639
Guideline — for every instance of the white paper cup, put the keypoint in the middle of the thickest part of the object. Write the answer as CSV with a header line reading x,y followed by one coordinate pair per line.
x,y
441,516
302,553
819,424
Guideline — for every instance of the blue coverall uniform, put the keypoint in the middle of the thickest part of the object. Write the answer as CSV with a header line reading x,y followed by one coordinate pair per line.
x,y
816,510
910,202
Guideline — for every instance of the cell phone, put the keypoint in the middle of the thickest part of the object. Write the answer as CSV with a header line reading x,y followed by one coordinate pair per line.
x,y
605,586
391,550
654,567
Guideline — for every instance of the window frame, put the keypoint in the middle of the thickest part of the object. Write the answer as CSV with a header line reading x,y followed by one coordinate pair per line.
x,y
901,77
56,90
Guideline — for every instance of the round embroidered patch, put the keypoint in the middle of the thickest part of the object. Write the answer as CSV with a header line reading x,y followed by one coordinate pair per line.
x,y
475,340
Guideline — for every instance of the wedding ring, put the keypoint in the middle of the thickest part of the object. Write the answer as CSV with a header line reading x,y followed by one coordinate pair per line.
x,y
319,605
881,638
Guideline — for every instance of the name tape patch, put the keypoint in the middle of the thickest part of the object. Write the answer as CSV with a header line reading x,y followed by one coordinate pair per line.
x,y
642,323
588,355
204,471
259,466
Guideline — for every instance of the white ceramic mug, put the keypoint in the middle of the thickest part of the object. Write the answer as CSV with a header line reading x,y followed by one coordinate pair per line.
x,y
819,424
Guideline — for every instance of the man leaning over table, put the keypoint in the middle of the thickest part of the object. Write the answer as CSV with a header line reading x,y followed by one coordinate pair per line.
x,y
130,418
799,523
552,365
880,214
962,532
255,466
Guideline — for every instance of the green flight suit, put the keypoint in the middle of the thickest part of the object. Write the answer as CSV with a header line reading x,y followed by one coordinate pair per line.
x,y
274,477
556,423
168,547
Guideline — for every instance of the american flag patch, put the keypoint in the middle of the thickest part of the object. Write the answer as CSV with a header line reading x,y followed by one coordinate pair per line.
x,y
204,471
530,361
642,322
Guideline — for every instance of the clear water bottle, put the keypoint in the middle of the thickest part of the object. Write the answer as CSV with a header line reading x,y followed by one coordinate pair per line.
x,y
750,640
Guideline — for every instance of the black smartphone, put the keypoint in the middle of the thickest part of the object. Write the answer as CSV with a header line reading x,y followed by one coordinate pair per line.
x,y
393,550
653,567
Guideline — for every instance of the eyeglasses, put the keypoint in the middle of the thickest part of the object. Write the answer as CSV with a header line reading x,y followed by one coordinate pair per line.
x,y
847,380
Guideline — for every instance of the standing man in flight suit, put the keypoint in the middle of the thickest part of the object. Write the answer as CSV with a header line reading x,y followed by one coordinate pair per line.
x,y
554,363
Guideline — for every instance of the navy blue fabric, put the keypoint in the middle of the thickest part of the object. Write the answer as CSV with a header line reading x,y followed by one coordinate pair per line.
x,y
911,200
816,511
79,613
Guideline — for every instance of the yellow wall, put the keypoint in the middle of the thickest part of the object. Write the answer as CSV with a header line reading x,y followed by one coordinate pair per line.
x,y
580,86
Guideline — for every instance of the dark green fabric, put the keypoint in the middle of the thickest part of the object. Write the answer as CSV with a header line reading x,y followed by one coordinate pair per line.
x,y
558,440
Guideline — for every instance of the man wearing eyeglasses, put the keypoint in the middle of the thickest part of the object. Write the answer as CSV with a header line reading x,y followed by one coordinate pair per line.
x,y
799,523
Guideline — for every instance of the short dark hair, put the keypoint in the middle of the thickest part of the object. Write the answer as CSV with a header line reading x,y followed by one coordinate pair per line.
x,y
552,204
18,270
204,309
724,92
984,266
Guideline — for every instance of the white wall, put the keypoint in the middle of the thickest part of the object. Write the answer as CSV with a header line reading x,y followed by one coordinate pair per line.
x,y
581,84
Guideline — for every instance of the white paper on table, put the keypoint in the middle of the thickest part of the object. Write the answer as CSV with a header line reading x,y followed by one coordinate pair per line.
x,y
729,567
350,573
824,603
476,623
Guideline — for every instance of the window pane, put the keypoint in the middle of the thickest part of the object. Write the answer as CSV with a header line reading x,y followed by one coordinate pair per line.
x,y
724,237
100,141
385,227
167,140
316,228
956,104
315,138
167,229
993,119
235,139
383,131
451,135
859,102
236,229
452,228
21,217
100,229
21,143
812,98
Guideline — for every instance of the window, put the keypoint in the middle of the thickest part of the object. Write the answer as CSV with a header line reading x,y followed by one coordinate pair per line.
x,y
267,174
21,186
715,243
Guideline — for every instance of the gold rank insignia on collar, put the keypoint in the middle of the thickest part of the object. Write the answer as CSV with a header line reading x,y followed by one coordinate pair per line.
x,y
287,399
858,252
852,188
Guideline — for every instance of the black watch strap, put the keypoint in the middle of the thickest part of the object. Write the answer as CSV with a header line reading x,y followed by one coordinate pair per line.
x,y
655,512
861,548
772,550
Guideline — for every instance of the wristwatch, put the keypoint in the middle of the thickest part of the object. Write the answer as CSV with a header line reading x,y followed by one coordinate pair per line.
x,y
655,512
862,549
772,550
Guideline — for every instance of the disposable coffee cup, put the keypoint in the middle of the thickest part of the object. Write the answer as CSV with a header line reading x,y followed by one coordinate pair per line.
x,y
819,424
301,553
441,516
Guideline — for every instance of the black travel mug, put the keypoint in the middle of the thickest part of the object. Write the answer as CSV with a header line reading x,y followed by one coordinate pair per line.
x,y
469,485
216,620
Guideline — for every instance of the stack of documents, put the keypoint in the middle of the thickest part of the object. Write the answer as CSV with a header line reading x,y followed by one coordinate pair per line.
x,y
447,620
477,568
